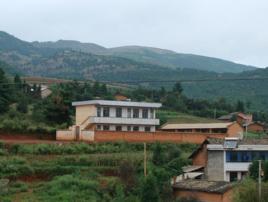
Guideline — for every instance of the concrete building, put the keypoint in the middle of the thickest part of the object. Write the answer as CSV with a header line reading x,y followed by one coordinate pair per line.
x,y
229,159
116,115
232,129
107,116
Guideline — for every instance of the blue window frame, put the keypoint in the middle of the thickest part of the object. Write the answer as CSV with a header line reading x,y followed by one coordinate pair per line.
x,y
245,156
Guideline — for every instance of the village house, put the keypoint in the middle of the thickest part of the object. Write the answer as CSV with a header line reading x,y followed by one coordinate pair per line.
x,y
203,190
108,115
231,129
229,159
239,117
116,115
256,127
245,120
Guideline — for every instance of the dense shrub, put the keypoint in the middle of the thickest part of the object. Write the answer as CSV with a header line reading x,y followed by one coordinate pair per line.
x,y
69,188
14,167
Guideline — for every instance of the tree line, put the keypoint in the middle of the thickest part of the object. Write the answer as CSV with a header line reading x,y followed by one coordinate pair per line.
x,y
19,99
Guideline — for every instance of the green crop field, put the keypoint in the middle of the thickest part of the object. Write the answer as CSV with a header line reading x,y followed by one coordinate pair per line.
x,y
86,172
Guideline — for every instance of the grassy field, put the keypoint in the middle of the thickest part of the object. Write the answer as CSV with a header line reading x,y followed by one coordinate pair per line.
x,y
75,171
176,117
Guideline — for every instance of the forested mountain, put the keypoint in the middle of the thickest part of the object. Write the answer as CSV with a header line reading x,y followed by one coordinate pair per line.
x,y
72,45
175,60
39,59
152,55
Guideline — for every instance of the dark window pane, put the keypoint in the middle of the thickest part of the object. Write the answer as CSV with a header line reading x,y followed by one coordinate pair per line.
x,y
118,112
118,128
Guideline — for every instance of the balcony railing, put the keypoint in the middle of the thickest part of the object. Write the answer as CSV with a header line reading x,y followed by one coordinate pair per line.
x,y
123,120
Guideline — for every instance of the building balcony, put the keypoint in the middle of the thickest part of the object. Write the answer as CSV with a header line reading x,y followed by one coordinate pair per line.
x,y
123,121
237,166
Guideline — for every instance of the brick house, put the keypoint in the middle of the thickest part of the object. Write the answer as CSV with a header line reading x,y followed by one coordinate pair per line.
x,y
203,190
231,129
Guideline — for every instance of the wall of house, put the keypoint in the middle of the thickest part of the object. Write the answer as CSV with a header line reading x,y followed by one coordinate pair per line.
x,y
240,120
83,112
234,130
205,196
161,136
65,135
255,128
201,158
215,166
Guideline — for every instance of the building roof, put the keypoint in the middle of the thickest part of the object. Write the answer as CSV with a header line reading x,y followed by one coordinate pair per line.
x,y
244,141
240,114
203,186
228,116
117,103
195,125
191,168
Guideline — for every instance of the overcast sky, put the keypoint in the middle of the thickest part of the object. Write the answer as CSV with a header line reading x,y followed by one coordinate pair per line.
x,y
236,30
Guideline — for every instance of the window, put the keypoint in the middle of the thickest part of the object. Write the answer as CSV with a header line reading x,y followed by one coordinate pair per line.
x,y
118,128
98,112
145,113
147,128
98,127
128,112
233,176
152,113
118,112
135,113
106,127
106,112
245,156
136,128
233,157
128,128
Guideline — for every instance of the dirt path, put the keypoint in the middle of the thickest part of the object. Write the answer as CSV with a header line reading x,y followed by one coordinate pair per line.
x,y
25,139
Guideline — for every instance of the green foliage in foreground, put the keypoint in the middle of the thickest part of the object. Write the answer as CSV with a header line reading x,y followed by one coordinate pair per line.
x,y
70,188
247,191
85,175
84,148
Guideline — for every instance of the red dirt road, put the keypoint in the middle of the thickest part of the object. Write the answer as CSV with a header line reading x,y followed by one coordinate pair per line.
x,y
25,139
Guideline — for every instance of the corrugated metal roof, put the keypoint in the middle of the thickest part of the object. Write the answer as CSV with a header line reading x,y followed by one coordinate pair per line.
x,y
191,168
117,103
169,126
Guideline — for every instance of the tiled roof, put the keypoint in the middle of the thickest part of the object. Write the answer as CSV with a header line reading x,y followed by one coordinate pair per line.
x,y
195,125
203,186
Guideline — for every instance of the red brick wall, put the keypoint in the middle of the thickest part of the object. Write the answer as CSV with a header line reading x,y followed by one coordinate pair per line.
x,y
161,136
201,158
255,128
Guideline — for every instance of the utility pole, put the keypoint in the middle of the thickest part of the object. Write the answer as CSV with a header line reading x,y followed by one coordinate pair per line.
x,y
215,113
145,159
260,170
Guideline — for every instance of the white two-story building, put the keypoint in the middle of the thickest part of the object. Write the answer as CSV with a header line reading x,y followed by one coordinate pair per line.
x,y
229,159
116,115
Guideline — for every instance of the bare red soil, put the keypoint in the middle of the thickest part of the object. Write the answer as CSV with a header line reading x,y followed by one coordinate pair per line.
x,y
25,139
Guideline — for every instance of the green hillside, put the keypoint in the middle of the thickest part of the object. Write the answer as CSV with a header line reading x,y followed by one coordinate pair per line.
x,y
41,59
151,55
178,60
